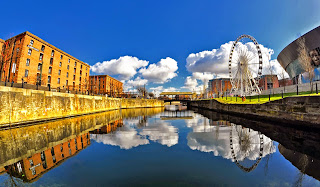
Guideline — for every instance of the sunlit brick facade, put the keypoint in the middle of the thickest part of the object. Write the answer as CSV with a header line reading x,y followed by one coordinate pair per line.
x,y
33,60
268,82
104,84
220,86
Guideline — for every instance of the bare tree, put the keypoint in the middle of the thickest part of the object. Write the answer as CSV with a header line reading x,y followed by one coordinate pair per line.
x,y
305,59
5,56
142,91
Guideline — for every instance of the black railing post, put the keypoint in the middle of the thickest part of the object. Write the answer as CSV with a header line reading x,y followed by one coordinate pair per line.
x,y
269,97
22,82
49,87
282,93
297,90
236,98
12,83
5,81
317,88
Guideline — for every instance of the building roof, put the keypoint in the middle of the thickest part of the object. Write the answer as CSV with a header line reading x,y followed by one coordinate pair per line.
x,y
176,93
48,44
91,76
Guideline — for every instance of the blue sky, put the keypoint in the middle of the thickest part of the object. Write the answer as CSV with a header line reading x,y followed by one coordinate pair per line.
x,y
95,31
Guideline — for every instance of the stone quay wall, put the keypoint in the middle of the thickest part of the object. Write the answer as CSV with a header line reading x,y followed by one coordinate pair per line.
x,y
293,111
18,105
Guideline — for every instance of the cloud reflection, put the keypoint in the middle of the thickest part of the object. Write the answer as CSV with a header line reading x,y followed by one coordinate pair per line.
x,y
216,139
161,132
126,138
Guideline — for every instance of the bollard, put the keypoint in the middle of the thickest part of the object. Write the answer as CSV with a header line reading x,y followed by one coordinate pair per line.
x,y
297,90
317,88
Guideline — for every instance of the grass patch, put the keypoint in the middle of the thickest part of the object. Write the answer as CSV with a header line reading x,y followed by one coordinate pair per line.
x,y
260,99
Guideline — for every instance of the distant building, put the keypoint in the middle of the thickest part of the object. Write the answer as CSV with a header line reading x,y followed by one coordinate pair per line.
x,y
268,82
34,60
285,82
219,86
104,84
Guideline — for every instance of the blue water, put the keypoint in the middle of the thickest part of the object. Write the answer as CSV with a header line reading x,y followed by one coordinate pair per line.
x,y
178,152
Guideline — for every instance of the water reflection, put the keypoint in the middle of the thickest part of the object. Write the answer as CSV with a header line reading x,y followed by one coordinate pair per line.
x,y
27,152
229,141
175,142
139,131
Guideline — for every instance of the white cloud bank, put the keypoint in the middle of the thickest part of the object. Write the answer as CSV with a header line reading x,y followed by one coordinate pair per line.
x,y
125,66
161,72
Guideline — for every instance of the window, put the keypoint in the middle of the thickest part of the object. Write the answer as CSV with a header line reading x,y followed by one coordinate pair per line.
x,y
80,72
60,64
86,74
26,73
50,70
67,74
81,66
28,62
86,68
58,80
74,71
66,82
29,51
41,56
42,48
68,67
49,79
74,77
39,66
31,42
80,79
102,86
59,73
69,60
18,49
61,56
75,63
51,61
52,53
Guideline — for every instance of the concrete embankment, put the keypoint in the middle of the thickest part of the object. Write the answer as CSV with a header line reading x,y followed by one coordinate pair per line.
x,y
19,105
299,111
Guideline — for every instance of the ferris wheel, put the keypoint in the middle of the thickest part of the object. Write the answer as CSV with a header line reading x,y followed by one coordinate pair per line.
x,y
245,66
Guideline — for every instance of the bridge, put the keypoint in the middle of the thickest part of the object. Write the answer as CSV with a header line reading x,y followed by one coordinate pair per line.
x,y
177,96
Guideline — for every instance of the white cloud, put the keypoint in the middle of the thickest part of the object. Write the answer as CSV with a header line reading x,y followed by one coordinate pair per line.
x,y
137,82
216,60
276,69
190,83
126,67
161,72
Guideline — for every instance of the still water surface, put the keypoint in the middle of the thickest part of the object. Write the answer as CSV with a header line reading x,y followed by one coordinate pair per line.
x,y
152,147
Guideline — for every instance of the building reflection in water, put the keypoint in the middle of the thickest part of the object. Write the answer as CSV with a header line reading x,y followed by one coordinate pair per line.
x,y
27,152
30,168
306,164
243,146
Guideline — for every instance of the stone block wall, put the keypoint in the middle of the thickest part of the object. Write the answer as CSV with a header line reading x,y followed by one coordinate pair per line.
x,y
290,110
23,105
